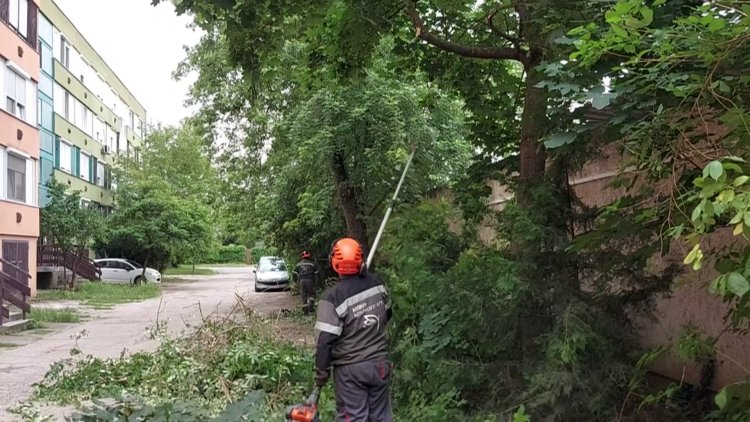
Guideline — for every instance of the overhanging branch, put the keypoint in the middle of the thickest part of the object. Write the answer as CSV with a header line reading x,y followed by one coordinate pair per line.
x,y
423,33
513,40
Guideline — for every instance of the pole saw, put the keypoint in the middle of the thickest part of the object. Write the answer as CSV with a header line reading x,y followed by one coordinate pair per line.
x,y
374,247
308,411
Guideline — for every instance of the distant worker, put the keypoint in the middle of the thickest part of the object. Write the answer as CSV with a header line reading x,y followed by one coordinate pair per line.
x,y
350,332
306,273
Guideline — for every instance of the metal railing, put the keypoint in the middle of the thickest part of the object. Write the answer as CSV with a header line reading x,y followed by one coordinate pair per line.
x,y
53,256
14,289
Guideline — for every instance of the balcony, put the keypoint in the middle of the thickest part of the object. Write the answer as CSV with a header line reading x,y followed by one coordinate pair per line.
x,y
78,89
88,190
133,139
16,133
15,49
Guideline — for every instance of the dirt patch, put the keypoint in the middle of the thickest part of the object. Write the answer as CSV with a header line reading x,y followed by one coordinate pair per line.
x,y
284,312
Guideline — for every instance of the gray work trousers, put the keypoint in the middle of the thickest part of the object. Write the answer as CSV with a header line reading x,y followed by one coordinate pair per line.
x,y
306,291
362,392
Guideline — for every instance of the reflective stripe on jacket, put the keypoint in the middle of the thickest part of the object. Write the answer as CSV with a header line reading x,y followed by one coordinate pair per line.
x,y
352,317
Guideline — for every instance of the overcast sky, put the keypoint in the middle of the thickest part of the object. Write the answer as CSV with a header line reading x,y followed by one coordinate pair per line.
x,y
143,45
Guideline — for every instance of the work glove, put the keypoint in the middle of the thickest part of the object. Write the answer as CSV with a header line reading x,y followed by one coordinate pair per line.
x,y
321,377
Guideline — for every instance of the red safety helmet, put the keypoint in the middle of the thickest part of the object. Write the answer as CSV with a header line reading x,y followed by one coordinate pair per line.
x,y
306,255
346,256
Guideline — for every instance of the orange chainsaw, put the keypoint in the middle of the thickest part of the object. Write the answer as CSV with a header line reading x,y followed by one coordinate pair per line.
x,y
305,412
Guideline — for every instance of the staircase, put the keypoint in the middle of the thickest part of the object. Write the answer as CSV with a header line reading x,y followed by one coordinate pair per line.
x,y
14,294
54,257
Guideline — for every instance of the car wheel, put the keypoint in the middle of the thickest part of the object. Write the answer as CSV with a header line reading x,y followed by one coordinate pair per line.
x,y
138,280
257,290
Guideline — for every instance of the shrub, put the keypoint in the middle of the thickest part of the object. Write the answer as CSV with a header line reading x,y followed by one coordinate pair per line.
x,y
227,254
256,253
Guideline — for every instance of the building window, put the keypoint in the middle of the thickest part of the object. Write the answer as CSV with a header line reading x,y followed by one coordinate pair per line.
x,y
100,174
98,130
64,52
66,157
18,16
45,58
47,115
78,118
15,91
68,104
16,178
85,167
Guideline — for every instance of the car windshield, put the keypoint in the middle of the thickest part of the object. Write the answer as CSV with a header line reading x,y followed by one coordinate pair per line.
x,y
133,263
272,265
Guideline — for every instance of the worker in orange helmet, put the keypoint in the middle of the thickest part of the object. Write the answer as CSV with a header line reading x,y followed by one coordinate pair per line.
x,y
350,332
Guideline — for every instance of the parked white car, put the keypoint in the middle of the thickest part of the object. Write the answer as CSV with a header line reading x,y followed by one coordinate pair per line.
x,y
271,273
126,271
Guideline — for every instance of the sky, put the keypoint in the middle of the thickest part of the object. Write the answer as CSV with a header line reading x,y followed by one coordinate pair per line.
x,y
143,45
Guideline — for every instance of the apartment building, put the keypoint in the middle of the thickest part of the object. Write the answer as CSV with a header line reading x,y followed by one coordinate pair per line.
x,y
64,114
89,115
19,148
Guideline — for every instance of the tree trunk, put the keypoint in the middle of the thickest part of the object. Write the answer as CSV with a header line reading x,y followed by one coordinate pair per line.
x,y
143,272
533,123
348,196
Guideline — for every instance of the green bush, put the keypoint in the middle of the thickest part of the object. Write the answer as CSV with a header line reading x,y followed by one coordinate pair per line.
x,y
227,254
256,253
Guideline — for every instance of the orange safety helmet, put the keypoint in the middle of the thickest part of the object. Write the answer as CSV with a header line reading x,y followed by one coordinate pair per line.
x,y
346,256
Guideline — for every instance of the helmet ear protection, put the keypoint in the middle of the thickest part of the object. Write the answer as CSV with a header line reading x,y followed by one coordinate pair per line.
x,y
363,265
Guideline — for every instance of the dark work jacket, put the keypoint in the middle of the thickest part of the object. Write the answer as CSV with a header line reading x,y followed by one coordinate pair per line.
x,y
309,266
351,322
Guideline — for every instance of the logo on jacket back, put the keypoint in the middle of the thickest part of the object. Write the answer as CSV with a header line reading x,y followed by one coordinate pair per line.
x,y
371,320
306,271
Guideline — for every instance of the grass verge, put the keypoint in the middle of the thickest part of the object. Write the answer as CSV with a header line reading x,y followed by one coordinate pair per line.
x,y
103,294
231,368
7,345
188,270
45,315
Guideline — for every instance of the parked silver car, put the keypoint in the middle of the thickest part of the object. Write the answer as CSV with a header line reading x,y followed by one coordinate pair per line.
x,y
126,271
271,273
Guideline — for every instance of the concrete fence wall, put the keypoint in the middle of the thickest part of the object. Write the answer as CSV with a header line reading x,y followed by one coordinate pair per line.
x,y
690,303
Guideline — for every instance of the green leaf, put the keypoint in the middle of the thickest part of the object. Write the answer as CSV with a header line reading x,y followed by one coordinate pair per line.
x,y
732,166
708,209
697,211
716,24
692,255
558,139
737,284
600,101
738,229
717,284
715,169
721,399
648,16
619,31
741,180
612,17
658,2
